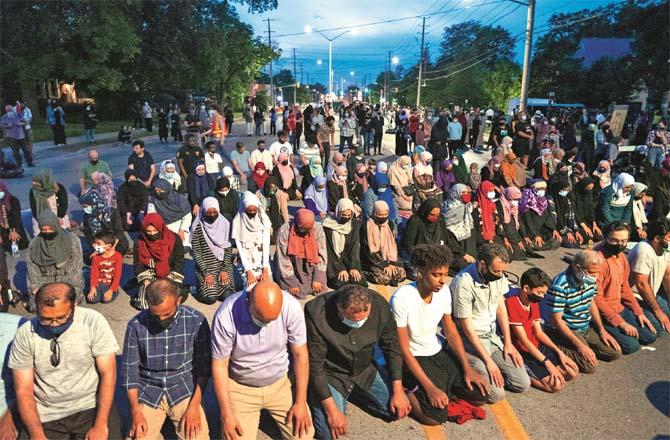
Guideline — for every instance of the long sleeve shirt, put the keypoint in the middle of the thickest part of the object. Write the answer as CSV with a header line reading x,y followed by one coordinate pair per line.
x,y
106,270
341,356
166,362
613,291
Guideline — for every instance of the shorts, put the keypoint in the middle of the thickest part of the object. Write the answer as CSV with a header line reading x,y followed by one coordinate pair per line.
x,y
536,369
521,148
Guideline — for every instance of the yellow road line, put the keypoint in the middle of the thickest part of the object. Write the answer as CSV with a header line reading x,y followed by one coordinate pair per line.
x,y
434,432
508,422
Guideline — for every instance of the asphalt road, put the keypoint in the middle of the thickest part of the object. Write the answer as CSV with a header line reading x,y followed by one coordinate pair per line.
x,y
627,399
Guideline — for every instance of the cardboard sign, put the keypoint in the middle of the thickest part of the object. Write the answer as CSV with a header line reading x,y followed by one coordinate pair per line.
x,y
618,119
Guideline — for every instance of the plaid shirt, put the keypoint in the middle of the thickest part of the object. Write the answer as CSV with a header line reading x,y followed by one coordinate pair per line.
x,y
166,362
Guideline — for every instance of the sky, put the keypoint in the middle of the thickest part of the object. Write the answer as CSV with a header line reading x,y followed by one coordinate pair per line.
x,y
364,52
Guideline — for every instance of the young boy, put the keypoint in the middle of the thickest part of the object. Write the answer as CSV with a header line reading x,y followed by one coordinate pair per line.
x,y
106,266
547,366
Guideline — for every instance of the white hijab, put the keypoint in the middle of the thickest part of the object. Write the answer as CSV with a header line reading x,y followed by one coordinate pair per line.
x,y
248,232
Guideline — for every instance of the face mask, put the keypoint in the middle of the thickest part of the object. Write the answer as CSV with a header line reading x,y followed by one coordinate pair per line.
x,y
163,324
284,162
48,235
2,195
455,162
320,188
342,178
496,166
88,210
152,237
406,167
224,192
210,218
534,298
491,195
161,195
465,198
354,324
490,277
540,193
99,249
343,220
523,118
258,322
58,330
94,161
380,220
503,133
602,170
432,218
665,245
562,193
613,249
514,202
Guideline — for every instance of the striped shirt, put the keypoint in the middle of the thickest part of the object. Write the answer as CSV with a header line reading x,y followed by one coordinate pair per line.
x,y
573,301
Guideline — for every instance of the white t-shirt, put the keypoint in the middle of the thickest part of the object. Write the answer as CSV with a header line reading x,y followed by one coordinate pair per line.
x,y
277,148
420,318
212,163
643,260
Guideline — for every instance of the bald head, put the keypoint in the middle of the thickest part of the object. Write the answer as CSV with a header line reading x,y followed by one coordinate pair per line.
x,y
266,301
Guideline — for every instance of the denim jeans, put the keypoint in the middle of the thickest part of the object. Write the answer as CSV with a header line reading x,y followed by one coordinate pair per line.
x,y
630,344
665,307
376,400
368,141
655,156
90,134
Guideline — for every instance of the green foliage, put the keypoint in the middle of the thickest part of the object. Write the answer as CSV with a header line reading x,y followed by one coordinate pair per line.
x,y
503,84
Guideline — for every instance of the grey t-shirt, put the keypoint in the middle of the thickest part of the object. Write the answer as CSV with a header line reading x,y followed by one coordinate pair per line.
x,y
70,387
643,260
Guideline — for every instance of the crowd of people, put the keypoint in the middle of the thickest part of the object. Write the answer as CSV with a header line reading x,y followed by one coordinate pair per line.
x,y
316,225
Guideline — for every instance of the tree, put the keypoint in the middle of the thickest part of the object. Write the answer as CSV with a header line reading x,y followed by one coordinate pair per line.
x,y
503,84
283,78
318,87
493,43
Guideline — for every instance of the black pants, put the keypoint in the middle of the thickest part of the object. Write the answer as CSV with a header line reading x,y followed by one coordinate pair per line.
x,y
298,135
19,145
474,135
273,127
454,144
325,157
148,122
378,141
71,427
346,140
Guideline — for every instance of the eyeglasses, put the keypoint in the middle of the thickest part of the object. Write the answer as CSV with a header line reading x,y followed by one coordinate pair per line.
x,y
55,352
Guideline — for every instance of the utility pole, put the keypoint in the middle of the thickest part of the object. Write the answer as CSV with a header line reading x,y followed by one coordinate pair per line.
x,y
272,82
386,82
295,71
301,73
418,87
525,78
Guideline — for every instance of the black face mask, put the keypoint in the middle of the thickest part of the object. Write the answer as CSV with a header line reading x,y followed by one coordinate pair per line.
x,y
210,218
380,220
93,162
163,324
251,215
490,277
534,298
613,249
48,235
343,220
284,162
161,195
152,237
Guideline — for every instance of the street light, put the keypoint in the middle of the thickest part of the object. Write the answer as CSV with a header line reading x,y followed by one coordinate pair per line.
x,y
308,29
319,62
352,73
395,60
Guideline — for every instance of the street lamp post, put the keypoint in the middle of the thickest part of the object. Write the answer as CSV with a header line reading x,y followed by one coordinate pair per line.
x,y
309,29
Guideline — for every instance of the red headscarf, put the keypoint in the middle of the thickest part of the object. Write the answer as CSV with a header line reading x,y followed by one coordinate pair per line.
x,y
487,209
260,180
305,246
159,250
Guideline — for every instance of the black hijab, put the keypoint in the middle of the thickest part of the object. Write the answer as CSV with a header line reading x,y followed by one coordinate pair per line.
x,y
273,205
425,231
136,189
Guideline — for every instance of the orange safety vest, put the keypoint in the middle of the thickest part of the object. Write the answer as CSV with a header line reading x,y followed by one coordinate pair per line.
x,y
219,127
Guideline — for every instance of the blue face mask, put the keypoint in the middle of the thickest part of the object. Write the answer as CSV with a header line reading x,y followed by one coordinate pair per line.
x,y
562,193
55,331
88,210
354,324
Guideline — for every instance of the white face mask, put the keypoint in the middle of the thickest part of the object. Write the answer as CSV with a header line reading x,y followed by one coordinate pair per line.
x,y
514,202
455,162
99,249
258,322
491,195
562,193
2,195
496,166
354,324
342,178
540,193
88,209
381,190
224,192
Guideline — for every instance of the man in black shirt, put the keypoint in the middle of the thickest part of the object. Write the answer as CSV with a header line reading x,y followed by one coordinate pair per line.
x,y
142,163
189,154
523,135
343,328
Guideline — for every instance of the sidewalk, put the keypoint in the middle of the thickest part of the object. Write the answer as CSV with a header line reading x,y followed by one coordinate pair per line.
x,y
100,138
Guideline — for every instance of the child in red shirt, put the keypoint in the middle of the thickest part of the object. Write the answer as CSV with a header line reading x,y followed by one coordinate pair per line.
x,y
106,267
548,367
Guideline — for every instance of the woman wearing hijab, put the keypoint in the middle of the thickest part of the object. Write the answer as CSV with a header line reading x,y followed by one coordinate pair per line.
x,y
47,194
660,209
562,207
159,253
338,188
173,208
99,217
460,167
511,232
103,185
344,248
198,186
512,171
360,183
439,139
603,174
615,201
426,189
54,256
228,199
338,160
380,190
169,172
424,165
258,177
484,213
212,254
638,228
461,234
446,178
538,222
310,172
543,165
132,201
274,203
11,226
400,178
578,173
251,232
302,255
491,171
585,209
316,198
284,171
401,134
379,248
425,227
355,157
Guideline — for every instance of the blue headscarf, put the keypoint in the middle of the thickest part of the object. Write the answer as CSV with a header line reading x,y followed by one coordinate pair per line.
x,y
382,179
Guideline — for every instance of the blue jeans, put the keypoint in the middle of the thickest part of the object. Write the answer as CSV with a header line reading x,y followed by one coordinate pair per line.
x,y
101,289
655,156
663,304
630,344
368,140
90,134
376,400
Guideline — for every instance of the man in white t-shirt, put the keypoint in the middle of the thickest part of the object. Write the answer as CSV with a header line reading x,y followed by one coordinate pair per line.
x,y
433,373
261,154
650,272
213,160
282,145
